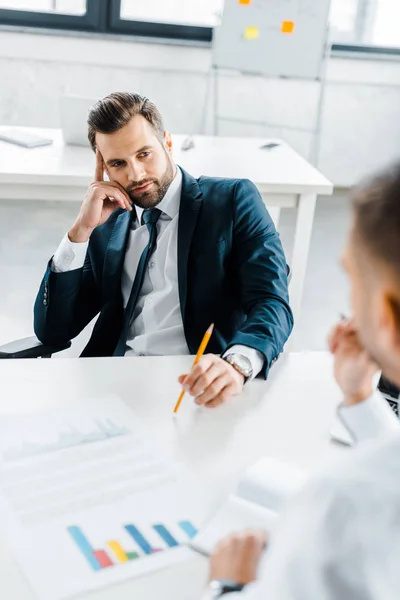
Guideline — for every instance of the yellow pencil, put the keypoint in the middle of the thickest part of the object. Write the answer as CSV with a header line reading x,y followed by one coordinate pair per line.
x,y
199,354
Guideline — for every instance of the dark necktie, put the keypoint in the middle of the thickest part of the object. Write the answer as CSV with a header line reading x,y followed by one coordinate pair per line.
x,y
149,218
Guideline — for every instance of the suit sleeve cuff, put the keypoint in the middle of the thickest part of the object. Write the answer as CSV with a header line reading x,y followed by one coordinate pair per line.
x,y
369,419
69,256
255,357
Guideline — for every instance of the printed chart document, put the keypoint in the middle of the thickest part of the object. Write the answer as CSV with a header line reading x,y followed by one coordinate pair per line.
x,y
86,500
260,496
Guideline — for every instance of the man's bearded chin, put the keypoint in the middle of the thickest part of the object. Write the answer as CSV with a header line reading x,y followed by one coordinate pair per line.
x,y
152,197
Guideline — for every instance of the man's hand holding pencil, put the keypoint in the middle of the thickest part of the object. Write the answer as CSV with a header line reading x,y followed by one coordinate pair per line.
x,y
212,380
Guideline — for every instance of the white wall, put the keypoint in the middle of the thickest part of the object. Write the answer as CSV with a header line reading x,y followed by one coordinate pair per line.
x,y
361,120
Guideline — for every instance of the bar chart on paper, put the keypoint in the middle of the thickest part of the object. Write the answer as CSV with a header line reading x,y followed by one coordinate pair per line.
x,y
115,553
87,499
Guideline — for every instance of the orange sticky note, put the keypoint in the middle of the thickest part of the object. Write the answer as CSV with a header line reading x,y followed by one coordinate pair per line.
x,y
287,27
251,33
246,2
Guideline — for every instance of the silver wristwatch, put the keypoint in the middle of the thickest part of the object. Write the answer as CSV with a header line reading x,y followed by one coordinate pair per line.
x,y
241,363
220,587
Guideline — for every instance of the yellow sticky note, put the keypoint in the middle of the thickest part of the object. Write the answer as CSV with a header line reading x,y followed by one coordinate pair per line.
x,y
287,27
251,33
246,2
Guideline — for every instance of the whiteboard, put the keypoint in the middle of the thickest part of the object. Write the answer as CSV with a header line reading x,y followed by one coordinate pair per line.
x,y
274,38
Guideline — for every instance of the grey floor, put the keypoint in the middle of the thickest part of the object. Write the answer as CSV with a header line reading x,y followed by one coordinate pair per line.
x,y
31,231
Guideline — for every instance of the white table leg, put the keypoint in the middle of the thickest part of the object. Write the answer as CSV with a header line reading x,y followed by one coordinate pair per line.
x,y
274,213
301,248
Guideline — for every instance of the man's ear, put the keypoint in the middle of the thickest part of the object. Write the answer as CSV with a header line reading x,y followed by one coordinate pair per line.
x,y
168,141
393,319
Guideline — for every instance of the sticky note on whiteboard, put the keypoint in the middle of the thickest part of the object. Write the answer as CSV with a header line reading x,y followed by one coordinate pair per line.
x,y
251,33
246,2
287,27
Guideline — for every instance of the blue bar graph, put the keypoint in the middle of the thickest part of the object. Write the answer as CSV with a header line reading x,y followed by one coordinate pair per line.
x,y
166,536
84,546
188,528
98,559
139,539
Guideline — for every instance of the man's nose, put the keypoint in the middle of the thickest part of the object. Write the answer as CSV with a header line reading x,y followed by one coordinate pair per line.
x,y
136,171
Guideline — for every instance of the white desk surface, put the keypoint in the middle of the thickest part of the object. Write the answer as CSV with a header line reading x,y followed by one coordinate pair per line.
x,y
288,417
277,171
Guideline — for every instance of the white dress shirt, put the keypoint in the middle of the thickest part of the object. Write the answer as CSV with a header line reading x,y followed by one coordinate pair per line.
x,y
157,327
339,539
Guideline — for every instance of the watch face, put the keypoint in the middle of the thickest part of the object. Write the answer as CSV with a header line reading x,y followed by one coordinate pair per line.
x,y
243,364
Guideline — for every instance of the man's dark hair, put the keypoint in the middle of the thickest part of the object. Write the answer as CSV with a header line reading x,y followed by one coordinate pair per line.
x,y
377,216
116,110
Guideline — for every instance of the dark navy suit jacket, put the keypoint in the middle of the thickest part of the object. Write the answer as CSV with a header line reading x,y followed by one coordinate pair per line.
x,y
231,272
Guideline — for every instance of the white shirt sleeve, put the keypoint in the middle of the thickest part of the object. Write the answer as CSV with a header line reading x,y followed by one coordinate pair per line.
x,y
69,256
255,357
369,419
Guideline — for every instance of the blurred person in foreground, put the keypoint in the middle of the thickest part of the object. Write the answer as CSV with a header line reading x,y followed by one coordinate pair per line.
x,y
339,538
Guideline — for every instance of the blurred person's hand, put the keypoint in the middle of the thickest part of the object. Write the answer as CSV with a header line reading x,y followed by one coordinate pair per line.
x,y
354,369
237,557
102,199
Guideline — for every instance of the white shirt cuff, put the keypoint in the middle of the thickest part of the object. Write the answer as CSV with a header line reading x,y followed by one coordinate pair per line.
x,y
255,357
69,256
369,419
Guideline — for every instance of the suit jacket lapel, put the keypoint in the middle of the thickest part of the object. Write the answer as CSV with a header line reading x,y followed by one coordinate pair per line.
x,y
188,214
115,255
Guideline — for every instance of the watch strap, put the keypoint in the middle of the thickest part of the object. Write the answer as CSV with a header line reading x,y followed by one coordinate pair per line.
x,y
225,586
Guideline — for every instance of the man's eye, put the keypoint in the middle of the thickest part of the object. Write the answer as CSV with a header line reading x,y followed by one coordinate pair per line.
x,y
117,164
144,154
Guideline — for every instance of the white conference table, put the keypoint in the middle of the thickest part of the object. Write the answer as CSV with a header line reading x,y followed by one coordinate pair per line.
x,y
283,177
288,418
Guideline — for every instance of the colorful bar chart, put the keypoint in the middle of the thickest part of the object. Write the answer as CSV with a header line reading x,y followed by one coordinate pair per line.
x,y
99,559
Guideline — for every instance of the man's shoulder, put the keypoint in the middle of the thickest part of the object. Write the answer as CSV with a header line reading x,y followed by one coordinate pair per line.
x,y
227,184
233,192
219,189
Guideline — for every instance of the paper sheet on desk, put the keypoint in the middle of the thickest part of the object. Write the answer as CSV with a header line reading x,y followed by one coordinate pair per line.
x,y
87,501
